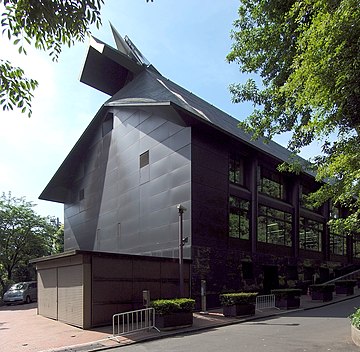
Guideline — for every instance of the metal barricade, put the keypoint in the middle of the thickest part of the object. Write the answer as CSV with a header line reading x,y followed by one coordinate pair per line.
x,y
265,302
136,320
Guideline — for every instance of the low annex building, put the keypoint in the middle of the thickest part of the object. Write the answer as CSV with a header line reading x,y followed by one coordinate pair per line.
x,y
154,145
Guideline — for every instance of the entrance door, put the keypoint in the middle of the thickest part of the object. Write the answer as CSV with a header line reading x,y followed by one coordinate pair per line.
x,y
271,278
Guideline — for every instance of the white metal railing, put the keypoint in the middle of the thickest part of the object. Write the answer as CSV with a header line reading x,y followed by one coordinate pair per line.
x,y
136,320
265,302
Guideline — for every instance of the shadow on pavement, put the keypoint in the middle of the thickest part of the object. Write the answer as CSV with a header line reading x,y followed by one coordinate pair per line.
x,y
19,306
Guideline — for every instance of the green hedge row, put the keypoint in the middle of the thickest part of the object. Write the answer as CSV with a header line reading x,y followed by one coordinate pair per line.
x,y
229,299
168,306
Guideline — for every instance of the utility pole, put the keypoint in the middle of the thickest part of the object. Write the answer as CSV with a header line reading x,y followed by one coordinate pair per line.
x,y
181,210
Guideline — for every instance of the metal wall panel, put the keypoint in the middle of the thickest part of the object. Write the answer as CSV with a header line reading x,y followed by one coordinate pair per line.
x,y
47,293
70,295
142,200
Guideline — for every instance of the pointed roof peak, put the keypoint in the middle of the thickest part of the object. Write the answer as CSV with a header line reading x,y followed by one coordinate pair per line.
x,y
127,47
120,42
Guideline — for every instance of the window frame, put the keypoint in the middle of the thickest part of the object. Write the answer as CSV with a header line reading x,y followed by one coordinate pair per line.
x,y
307,226
272,179
284,224
241,209
236,169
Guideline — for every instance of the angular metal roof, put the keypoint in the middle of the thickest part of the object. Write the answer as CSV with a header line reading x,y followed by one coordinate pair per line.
x,y
125,74
149,88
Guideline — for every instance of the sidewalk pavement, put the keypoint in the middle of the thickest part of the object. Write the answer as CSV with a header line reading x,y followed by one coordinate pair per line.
x,y
36,333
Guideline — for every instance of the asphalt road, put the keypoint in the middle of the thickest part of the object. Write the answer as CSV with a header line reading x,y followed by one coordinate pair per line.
x,y
321,329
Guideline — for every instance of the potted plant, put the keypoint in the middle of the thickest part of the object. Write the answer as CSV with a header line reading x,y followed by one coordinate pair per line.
x,y
238,304
322,292
173,313
355,327
345,287
287,298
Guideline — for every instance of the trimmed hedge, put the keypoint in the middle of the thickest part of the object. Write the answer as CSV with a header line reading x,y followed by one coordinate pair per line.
x,y
346,283
168,306
287,292
229,299
322,288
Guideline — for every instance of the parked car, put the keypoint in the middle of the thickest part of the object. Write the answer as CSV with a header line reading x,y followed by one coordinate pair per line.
x,y
22,292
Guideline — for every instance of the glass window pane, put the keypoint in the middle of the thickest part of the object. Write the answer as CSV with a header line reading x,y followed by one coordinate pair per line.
x,y
236,169
310,234
244,229
239,225
274,227
271,184
234,225
261,229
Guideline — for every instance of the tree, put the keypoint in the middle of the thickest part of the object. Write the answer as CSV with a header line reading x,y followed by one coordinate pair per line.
x,y
46,24
307,56
24,235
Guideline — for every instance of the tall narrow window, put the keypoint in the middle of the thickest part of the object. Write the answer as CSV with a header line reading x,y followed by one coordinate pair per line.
x,y
239,218
144,159
337,239
236,169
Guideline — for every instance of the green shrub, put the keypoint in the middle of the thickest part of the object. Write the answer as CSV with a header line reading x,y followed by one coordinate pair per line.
x,y
287,292
345,283
355,319
168,306
229,299
322,288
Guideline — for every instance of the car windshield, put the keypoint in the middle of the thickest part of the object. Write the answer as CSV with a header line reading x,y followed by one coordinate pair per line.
x,y
16,287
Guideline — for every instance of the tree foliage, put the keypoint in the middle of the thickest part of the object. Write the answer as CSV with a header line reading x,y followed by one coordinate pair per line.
x,y
47,25
307,56
24,235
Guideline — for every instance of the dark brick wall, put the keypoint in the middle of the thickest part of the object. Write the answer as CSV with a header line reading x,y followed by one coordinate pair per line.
x,y
229,264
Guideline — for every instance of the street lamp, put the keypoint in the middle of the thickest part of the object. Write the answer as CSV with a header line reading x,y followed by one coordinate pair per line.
x,y
181,209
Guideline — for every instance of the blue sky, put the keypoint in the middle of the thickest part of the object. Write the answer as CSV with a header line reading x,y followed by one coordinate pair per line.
x,y
186,40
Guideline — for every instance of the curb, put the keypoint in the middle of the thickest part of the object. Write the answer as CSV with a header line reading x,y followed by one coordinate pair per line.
x,y
91,345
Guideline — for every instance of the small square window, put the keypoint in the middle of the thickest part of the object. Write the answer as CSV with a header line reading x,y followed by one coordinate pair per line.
x,y
144,159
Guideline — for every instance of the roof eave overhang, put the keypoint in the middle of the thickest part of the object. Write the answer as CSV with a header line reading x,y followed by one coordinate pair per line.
x,y
142,104
199,118
106,68
57,190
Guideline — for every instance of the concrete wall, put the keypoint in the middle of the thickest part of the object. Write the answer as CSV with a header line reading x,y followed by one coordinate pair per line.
x,y
85,289
118,283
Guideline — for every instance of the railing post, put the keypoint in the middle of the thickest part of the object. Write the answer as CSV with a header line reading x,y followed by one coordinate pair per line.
x,y
140,320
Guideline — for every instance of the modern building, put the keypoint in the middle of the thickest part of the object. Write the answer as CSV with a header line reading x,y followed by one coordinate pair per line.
x,y
154,145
